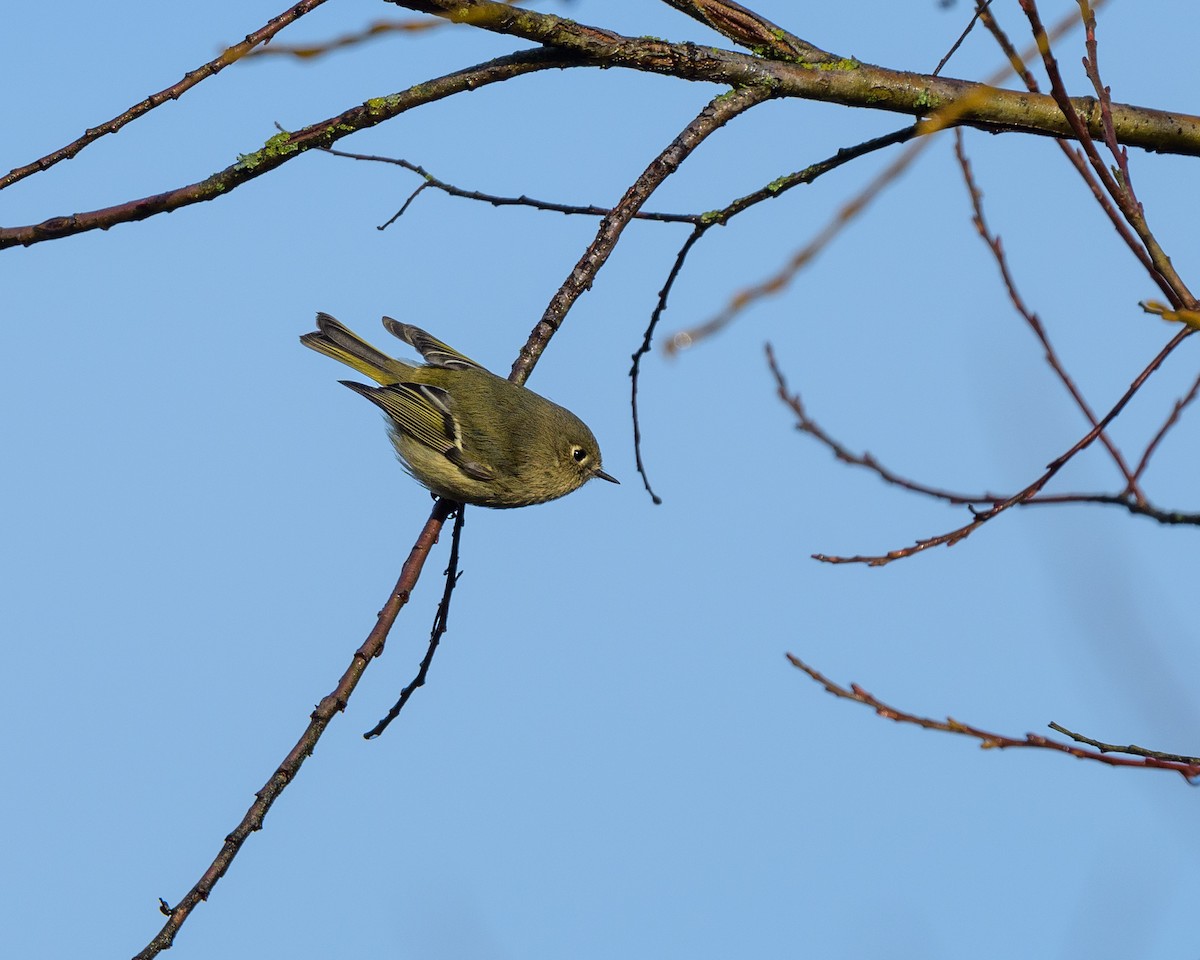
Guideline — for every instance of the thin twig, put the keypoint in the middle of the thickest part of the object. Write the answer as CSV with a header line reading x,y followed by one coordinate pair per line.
x,y
1129,748
1073,154
440,623
331,705
498,200
856,85
1180,405
231,55
1163,273
1188,768
635,370
979,9
377,29
806,424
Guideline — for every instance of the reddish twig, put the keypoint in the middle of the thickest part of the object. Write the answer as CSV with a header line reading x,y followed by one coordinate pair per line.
x,y
173,92
1176,411
331,705
1075,156
1162,272
1187,767
377,29
806,424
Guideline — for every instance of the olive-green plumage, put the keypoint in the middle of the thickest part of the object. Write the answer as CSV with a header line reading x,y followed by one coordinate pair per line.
x,y
465,433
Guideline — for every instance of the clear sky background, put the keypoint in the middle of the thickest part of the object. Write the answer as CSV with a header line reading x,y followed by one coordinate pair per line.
x,y
612,757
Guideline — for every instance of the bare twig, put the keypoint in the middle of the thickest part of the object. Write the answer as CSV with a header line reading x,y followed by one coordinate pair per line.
x,y
1163,273
777,282
377,29
331,705
981,6
440,623
497,200
1176,411
260,36
1187,767
635,369
1075,156
1129,748
751,30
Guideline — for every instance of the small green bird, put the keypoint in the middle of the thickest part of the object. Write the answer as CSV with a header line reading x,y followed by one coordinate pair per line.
x,y
465,433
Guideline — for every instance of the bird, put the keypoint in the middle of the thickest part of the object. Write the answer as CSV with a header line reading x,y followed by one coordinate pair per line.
x,y
460,430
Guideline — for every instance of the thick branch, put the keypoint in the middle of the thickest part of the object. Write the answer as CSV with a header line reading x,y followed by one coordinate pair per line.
x,y
847,82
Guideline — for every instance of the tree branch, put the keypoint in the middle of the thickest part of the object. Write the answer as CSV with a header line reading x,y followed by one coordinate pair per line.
x,y
1187,767
1026,495
285,146
1137,506
847,82
751,30
714,116
173,92
325,711
441,622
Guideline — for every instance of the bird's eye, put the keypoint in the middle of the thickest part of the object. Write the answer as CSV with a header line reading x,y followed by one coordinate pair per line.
x,y
579,454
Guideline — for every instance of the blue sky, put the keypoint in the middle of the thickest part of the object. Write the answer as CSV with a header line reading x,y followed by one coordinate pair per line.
x,y
612,756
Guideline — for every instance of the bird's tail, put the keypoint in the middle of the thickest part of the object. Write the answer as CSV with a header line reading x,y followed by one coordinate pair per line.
x,y
344,345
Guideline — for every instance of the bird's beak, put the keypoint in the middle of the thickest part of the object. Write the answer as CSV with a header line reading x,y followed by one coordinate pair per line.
x,y
604,476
